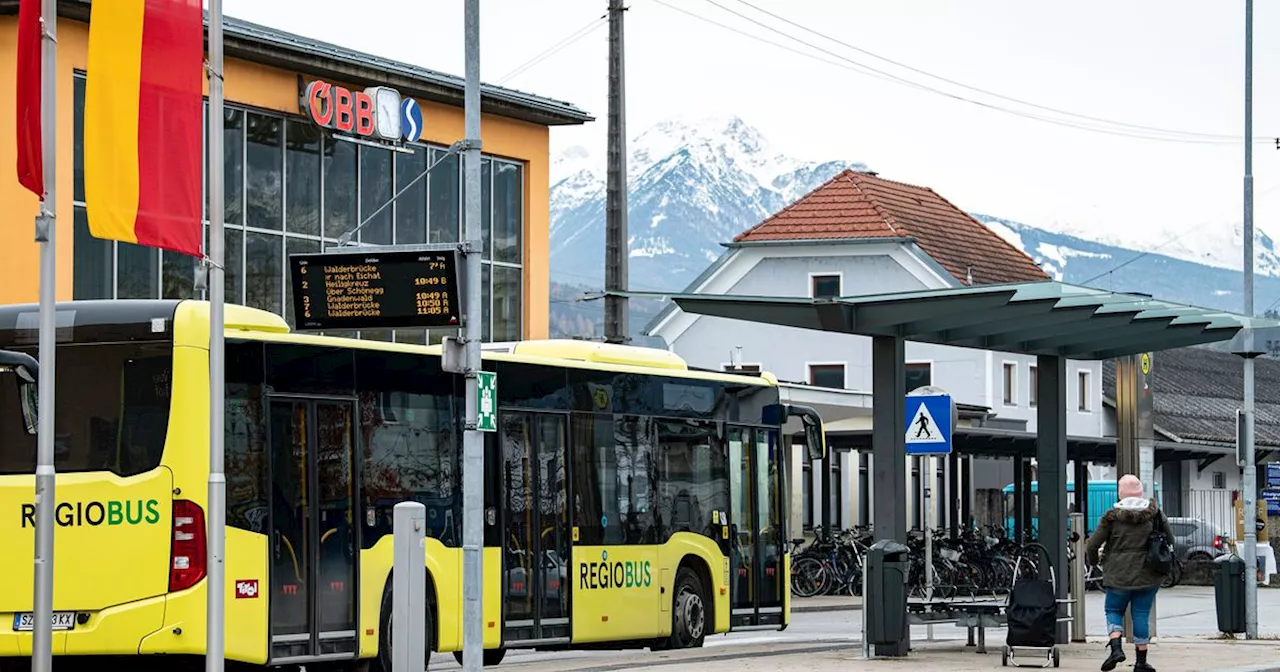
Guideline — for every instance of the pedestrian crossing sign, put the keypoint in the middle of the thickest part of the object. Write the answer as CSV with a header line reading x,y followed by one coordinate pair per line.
x,y
928,424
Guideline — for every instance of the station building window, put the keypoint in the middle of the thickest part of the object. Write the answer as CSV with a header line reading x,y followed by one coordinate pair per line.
x,y
291,187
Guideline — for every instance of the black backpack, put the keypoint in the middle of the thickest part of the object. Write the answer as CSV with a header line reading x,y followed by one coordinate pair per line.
x,y
1159,547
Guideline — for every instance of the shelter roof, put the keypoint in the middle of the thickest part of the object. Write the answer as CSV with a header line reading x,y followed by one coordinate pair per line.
x,y
1036,318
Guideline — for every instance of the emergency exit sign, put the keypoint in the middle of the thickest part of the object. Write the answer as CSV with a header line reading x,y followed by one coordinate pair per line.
x,y
487,401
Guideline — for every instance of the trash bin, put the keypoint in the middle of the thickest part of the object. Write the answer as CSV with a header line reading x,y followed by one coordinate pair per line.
x,y
885,601
1228,593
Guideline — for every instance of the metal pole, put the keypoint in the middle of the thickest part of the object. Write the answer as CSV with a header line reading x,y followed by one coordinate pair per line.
x,y
215,584
1078,589
926,518
46,231
409,608
473,441
616,248
1146,473
1249,485
930,522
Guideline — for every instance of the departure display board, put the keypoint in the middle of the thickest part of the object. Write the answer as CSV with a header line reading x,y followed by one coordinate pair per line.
x,y
375,289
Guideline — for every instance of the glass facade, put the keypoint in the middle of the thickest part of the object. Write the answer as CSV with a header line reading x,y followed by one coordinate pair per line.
x,y
291,187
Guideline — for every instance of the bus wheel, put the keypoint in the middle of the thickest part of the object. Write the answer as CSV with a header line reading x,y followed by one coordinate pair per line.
x,y
491,657
383,663
688,612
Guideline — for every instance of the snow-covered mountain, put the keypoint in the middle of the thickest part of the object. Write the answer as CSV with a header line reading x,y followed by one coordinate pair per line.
x,y
1074,259
694,185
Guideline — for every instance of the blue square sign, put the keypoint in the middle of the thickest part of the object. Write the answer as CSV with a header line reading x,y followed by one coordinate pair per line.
x,y
1271,497
1273,474
929,424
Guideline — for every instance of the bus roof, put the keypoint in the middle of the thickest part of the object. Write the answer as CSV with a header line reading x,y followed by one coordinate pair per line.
x,y
252,324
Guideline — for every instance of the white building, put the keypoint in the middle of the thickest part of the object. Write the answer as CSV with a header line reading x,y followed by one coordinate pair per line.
x,y
860,234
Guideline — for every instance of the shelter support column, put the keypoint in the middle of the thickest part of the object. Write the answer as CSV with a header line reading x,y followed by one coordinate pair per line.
x,y
1081,480
1171,488
889,438
848,515
1028,499
889,452
954,495
1020,496
967,492
1051,456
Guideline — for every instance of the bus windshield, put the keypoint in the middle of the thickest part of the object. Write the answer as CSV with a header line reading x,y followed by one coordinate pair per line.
x,y
112,410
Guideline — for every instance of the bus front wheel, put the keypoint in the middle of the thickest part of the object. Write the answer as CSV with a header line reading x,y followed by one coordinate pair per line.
x,y
688,611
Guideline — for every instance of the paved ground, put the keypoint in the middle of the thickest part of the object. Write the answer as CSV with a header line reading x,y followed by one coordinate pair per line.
x,y
1180,656
825,633
1181,612
1174,655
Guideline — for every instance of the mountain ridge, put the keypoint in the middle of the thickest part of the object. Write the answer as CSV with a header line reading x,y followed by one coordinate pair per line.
x,y
695,184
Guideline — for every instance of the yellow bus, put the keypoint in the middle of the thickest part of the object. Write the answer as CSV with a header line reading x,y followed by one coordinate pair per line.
x,y
629,500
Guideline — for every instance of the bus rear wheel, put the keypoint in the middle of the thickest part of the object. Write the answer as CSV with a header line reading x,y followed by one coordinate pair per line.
x,y
383,661
491,657
688,612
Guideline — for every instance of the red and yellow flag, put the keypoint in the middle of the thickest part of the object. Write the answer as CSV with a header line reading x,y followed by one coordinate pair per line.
x,y
30,143
142,123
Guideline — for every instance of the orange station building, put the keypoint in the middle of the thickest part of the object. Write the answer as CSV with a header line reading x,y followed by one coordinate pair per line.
x,y
293,185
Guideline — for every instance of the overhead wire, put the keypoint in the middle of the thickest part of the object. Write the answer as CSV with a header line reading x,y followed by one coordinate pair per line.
x,y
867,70
1166,243
594,25
988,92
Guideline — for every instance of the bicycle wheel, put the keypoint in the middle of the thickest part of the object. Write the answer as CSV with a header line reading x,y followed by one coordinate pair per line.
x,y
808,578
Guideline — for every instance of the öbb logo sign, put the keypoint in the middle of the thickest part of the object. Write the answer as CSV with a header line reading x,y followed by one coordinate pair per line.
x,y
377,112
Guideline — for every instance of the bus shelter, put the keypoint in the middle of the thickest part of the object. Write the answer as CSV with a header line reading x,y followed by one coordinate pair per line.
x,y
1052,321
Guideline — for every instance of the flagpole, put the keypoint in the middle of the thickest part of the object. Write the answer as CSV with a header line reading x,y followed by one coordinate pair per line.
x,y
46,230
215,585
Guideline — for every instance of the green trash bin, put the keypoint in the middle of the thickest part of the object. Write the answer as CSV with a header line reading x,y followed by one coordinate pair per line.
x,y
886,599
1228,593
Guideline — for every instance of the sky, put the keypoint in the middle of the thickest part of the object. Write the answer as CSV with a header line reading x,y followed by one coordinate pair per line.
x,y
1175,64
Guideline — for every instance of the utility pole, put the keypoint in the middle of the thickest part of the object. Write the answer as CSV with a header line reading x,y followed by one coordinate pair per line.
x,y
473,439
616,248
215,582
1250,476
46,230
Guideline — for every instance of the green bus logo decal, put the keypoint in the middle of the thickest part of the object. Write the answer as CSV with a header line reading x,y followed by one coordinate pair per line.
x,y
93,514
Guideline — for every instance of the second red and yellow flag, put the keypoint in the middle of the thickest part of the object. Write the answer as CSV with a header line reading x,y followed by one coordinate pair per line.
x,y
142,123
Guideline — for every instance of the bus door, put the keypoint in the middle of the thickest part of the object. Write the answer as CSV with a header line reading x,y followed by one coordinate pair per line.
x,y
535,548
313,544
756,533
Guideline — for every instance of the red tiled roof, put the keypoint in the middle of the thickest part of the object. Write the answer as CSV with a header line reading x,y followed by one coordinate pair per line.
x,y
861,205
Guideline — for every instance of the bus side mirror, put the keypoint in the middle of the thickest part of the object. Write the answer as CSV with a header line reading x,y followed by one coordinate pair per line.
x,y
815,436
815,439
26,372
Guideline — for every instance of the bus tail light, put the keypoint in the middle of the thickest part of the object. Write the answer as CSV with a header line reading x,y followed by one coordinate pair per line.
x,y
187,552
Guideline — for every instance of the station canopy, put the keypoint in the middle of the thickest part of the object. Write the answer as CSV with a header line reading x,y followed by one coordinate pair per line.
x,y
1034,318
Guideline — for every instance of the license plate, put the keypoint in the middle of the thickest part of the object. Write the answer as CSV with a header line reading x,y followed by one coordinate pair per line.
x,y
62,620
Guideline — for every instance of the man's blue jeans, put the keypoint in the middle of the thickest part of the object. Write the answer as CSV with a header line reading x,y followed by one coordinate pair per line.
x,y
1140,601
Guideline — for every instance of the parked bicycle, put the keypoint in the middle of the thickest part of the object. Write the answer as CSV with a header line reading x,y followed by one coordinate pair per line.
x,y
973,564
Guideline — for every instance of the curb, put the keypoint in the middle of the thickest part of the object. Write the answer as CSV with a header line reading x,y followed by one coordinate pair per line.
x,y
816,647
739,656
822,608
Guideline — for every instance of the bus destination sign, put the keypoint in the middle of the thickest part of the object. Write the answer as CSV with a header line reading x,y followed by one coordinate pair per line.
x,y
376,289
